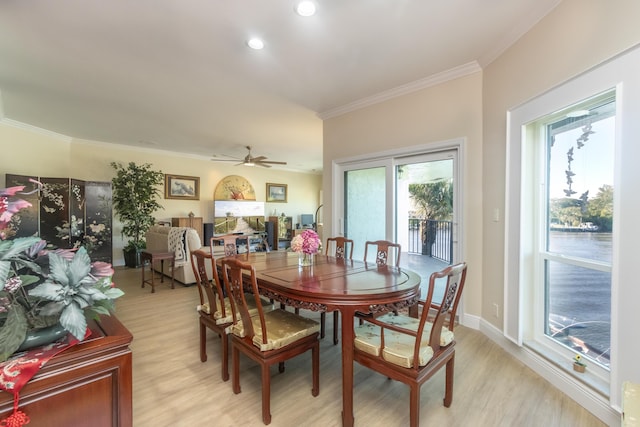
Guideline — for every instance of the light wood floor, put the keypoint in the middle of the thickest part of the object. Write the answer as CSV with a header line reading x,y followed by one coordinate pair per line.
x,y
171,387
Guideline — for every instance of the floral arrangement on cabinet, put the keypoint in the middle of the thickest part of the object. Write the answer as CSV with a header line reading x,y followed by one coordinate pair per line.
x,y
306,244
43,288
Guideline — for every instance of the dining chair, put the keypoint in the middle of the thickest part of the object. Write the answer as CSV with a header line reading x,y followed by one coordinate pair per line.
x,y
338,248
214,308
412,350
384,251
269,337
434,307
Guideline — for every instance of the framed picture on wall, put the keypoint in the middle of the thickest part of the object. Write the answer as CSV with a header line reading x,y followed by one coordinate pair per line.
x,y
181,187
276,192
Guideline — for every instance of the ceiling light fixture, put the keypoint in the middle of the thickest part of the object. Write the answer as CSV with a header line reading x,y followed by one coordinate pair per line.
x,y
255,43
306,8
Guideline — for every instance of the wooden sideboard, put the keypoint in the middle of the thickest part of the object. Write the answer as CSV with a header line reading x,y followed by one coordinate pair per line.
x,y
87,384
192,222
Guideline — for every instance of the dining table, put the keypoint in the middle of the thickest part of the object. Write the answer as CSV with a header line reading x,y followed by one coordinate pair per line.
x,y
330,284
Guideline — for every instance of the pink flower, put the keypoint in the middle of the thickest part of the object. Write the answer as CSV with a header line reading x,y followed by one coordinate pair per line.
x,y
306,242
101,269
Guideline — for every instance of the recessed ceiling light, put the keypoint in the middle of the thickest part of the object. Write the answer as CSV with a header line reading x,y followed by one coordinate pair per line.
x,y
255,43
306,8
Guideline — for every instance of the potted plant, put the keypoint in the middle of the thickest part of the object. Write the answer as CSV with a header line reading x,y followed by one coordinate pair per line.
x,y
578,364
46,293
135,199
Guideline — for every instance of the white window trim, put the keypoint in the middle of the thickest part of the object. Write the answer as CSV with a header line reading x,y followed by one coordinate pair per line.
x,y
622,73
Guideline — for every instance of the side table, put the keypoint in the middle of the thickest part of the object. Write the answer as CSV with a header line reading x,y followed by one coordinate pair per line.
x,y
153,256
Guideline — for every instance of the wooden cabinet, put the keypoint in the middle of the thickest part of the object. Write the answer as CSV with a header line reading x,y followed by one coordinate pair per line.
x,y
283,231
88,384
192,222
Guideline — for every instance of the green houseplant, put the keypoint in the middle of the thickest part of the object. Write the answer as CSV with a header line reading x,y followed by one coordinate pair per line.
x,y
135,199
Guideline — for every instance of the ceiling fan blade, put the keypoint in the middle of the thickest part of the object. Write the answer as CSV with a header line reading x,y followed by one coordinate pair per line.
x,y
225,160
259,158
274,163
262,164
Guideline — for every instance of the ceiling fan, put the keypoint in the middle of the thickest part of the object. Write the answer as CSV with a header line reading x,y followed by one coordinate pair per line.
x,y
249,160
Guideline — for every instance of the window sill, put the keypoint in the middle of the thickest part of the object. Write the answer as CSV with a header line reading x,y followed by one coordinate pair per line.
x,y
591,378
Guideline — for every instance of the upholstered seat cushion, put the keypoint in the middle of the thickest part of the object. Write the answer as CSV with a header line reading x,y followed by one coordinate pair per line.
x,y
398,346
228,318
283,328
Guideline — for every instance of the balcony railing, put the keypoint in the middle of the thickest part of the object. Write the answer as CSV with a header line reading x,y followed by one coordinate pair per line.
x,y
432,238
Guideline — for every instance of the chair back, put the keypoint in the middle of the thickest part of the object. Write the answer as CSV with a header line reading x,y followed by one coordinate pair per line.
x,y
233,273
455,277
454,307
385,252
339,247
230,243
210,291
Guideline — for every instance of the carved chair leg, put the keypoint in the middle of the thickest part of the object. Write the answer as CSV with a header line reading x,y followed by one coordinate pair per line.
x,y
414,405
225,357
203,342
266,394
235,361
448,391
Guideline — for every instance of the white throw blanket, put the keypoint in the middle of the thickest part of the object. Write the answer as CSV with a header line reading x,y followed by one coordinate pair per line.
x,y
178,244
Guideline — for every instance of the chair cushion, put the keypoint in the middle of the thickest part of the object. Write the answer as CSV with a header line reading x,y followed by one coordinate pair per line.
x,y
283,328
398,346
228,318
411,323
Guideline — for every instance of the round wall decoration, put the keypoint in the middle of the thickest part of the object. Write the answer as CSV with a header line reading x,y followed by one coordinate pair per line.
x,y
234,187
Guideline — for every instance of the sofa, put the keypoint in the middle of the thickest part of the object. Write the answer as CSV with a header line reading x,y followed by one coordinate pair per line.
x,y
158,240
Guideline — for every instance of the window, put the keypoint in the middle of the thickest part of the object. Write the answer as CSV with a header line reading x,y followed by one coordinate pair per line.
x,y
535,261
572,285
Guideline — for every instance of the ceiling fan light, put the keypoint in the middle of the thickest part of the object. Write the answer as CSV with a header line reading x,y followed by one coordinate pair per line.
x,y
249,163
305,8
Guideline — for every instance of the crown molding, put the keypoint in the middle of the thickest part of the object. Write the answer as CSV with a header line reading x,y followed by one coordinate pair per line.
x,y
434,80
34,129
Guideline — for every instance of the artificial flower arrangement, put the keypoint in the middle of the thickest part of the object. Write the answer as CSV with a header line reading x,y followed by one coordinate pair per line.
x,y
42,288
306,244
578,364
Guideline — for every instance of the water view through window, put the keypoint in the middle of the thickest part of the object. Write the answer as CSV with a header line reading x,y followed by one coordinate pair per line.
x,y
577,256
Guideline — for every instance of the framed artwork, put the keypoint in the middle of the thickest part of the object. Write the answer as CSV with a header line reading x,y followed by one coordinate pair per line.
x,y
276,192
181,187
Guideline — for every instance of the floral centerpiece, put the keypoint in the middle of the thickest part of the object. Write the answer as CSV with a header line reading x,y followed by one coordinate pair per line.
x,y
42,288
306,244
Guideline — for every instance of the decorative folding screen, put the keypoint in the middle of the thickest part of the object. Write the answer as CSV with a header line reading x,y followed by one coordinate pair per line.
x,y
67,213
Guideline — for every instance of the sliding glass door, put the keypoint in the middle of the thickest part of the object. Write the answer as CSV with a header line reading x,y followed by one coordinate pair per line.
x,y
409,199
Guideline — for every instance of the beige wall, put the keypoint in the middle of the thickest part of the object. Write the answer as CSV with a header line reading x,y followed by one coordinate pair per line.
x,y
432,115
43,155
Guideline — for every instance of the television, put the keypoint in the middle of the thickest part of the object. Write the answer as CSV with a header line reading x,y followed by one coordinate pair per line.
x,y
306,220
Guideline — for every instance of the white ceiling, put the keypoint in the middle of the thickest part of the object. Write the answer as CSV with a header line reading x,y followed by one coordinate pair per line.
x,y
177,75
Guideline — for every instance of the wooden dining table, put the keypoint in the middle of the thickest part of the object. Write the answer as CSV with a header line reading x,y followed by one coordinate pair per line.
x,y
335,284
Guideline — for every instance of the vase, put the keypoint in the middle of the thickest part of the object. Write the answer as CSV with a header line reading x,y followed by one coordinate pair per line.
x,y
38,337
305,260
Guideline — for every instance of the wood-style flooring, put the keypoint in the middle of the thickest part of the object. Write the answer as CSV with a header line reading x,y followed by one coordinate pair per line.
x,y
171,387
